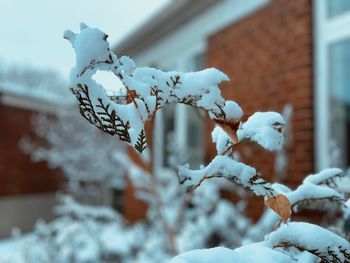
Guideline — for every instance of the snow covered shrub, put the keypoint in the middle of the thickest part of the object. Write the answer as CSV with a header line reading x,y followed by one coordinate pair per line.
x,y
149,89
91,233
82,234
178,221
85,155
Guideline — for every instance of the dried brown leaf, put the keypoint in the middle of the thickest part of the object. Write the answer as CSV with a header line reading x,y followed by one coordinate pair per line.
x,y
281,205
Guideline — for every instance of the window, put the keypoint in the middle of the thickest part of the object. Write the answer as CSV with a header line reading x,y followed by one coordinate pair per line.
x,y
339,88
181,124
332,83
336,7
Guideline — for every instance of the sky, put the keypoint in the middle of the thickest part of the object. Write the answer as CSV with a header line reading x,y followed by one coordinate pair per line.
x,y
31,31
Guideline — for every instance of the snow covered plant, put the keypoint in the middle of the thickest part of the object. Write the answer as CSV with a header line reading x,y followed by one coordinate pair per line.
x,y
81,234
149,89
84,154
178,221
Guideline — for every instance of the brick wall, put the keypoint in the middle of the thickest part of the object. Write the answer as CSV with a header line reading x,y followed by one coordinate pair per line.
x,y
268,57
18,174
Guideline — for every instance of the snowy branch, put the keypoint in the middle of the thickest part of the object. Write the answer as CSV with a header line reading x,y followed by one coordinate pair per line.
x,y
315,187
314,239
225,167
149,89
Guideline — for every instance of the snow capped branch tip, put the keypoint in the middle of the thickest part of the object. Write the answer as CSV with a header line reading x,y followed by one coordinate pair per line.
x,y
312,238
315,188
325,177
264,128
145,90
69,35
83,26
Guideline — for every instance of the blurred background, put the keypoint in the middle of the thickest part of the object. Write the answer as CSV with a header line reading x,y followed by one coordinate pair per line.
x,y
56,170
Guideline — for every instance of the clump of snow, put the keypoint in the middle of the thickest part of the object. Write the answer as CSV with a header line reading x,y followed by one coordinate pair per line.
x,y
307,192
312,238
128,64
314,187
211,255
90,46
222,141
265,128
259,252
252,253
222,166
233,110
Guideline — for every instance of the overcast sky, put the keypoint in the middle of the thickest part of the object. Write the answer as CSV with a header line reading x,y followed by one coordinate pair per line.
x,y
31,31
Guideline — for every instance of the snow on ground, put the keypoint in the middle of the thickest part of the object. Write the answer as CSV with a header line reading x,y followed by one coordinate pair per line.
x,y
10,250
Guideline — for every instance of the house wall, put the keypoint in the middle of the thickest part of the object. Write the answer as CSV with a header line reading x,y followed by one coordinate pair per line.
x,y
27,189
18,174
23,211
268,57
172,51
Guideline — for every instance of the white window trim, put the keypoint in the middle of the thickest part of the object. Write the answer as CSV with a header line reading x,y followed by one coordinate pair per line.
x,y
327,30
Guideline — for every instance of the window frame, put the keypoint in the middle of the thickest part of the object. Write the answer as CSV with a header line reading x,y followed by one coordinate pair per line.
x,y
327,31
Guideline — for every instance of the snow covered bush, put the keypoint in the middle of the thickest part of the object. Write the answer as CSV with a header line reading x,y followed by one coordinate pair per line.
x,y
178,221
82,233
146,90
85,155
